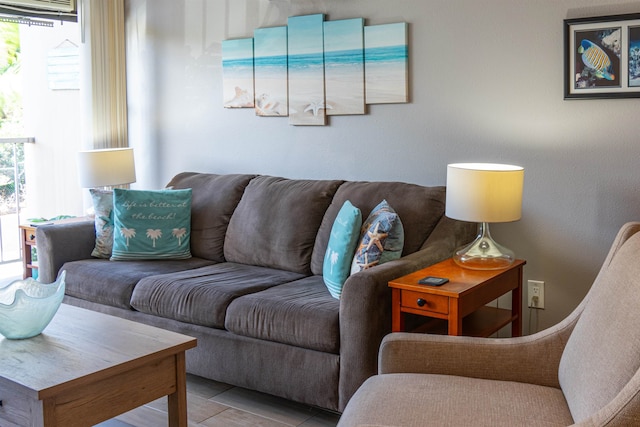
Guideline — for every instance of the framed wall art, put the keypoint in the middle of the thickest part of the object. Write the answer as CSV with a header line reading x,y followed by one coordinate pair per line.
x,y
602,57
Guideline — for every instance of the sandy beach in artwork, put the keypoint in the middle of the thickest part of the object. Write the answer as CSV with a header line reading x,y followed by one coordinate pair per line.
x,y
306,93
271,96
386,83
344,88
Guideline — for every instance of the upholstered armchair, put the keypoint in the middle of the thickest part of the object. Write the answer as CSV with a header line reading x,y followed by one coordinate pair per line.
x,y
583,371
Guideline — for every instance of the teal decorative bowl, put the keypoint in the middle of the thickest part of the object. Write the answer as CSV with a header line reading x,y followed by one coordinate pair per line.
x,y
27,306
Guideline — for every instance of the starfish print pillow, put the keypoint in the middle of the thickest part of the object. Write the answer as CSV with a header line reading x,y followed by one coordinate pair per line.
x,y
382,238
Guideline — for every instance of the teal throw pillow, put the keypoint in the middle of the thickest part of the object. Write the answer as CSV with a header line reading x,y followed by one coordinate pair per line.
x,y
151,224
382,238
103,210
345,234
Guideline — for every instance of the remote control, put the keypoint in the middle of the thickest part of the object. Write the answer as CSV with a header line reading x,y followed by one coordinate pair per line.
x,y
433,281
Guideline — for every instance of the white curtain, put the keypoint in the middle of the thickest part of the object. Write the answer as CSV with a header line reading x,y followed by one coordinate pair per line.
x,y
105,101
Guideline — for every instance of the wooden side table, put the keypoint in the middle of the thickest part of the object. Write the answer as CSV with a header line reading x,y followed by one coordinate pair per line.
x,y
460,304
28,241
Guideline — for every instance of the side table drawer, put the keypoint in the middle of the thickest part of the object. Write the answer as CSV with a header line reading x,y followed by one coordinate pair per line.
x,y
425,302
30,235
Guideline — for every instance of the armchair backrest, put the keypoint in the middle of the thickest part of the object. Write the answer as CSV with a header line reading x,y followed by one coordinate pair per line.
x,y
599,369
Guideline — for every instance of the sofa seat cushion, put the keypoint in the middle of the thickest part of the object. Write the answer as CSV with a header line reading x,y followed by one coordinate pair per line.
x,y
201,296
112,282
437,400
301,313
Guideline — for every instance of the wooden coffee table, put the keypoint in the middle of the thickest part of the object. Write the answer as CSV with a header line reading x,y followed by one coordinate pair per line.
x,y
88,367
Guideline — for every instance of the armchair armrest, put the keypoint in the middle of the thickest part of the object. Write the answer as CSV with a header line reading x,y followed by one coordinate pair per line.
x,y
531,359
60,243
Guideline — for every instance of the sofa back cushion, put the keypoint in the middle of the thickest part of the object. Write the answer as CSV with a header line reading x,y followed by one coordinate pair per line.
x,y
419,208
213,200
601,356
276,223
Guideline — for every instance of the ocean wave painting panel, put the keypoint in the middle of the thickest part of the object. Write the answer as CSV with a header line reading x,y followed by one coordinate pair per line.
x,y
237,73
386,63
270,70
306,70
344,66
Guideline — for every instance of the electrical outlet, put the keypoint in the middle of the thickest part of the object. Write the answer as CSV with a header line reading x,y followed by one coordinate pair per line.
x,y
535,293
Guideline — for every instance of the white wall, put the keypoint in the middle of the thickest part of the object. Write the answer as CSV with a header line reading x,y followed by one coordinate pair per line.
x,y
486,84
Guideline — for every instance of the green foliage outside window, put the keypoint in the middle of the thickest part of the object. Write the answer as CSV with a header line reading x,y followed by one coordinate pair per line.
x,y
10,117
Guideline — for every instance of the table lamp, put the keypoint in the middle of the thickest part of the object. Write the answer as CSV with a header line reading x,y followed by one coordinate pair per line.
x,y
106,167
484,193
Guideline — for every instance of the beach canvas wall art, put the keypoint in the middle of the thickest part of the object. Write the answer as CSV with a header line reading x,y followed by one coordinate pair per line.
x,y
311,69
270,72
386,63
237,73
344,66
306,70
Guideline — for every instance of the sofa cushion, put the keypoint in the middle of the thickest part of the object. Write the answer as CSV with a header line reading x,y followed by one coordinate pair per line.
x,y
439,400
151,224
300,313
342,245
276,222
103,212
201,296
213,200
111,283
420,208
382,238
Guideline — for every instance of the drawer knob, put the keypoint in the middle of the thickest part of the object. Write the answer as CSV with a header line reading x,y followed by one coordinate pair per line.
x,y
421,302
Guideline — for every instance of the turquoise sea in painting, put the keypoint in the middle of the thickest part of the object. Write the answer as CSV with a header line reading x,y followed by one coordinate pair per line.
x,y
388,54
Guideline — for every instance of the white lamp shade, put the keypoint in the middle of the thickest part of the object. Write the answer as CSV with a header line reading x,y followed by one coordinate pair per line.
x,y
484,192
107,167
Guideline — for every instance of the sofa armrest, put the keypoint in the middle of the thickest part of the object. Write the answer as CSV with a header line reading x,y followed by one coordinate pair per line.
x,y
60,243
531,359
365,303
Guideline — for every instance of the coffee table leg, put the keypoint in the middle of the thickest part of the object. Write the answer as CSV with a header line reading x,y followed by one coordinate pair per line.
x,y
177,401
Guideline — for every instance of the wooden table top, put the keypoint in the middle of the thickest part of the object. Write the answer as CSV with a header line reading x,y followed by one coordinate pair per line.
x,y
461,280
79,343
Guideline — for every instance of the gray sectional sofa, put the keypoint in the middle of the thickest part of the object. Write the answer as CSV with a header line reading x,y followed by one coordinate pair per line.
x,y
253,293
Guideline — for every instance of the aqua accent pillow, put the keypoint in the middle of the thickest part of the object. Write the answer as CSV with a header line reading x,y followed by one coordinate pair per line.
x,y
345,233
151,224
103,210
382,238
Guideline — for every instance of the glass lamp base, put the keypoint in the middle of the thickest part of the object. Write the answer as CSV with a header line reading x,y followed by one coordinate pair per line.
x,y
484,253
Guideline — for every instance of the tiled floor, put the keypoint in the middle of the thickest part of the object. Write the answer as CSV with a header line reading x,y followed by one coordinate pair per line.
x,y
213,404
